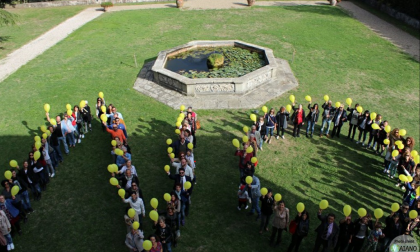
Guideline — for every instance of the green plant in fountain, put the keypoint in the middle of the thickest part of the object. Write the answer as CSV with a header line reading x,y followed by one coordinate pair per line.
x,y
215,60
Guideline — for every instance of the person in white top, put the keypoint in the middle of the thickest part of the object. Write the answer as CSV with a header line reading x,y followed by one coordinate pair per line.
x,y
128,166
138,206
51,171
183,164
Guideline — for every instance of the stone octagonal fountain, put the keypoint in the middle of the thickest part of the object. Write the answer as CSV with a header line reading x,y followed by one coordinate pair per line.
x,y
249,78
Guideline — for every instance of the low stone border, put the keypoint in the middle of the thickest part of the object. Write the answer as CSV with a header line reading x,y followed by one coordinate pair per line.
x,y
78,2
283,81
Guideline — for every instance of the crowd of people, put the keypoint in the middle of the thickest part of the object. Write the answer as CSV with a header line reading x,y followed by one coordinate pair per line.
x,y
35,172
358,234
124,176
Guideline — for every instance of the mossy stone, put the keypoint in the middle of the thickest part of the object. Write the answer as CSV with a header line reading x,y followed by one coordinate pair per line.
x,y
215,60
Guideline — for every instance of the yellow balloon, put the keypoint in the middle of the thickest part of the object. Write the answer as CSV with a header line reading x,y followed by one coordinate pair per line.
x,y
101,95
113,181
292,98
38,145
359,109
8,174
277,197
110,168
349,101
403,178
170,150
398,142
409,178
249,149
115,167
43,128
121,192
182,108
68,107
337,104
136,225
37,155
37,139
154,215
167,197
154,203
401,146
417,159
131,212
178,124
395,153
395,207
167,168
403,132
245,139
44,136
172,155
413,214
386,141
235,143
181,115
387,129
248,180
254,160
113,143
15,190
323,204
347,210
378,213
13,163
168,141
119,152
288,107
245,129
82,104
264,191
253,117
326,98
187,185
53,122
177,131
264,109
414,153
373,116
147,245
375,126
103,109
362,212
190,146
47,107
308,98
300,207
104,118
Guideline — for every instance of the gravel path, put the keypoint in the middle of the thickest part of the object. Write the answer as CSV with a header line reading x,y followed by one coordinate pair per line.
x,y
36,47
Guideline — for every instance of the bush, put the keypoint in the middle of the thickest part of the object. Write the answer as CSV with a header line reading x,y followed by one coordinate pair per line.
x,y
215,60
107,4
409,7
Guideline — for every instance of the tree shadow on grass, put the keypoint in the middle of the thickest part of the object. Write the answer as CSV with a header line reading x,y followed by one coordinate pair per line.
x,y
318,10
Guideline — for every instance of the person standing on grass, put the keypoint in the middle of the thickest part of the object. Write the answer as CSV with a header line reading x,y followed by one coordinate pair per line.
x,y
382,135
262,128
127,180
163,231
339,118
59,133
5,229
244,158
345,235
393,228
312,118
298,118
180,146
115,132
156,245
373,137
23,191
327,232
87,117
282,117
66,125
302,230
360,233
270,118
78,123
327,117
137,204
280,222
6,205
353,118
134,240
183,164
29,176
242,197
267,202
254,137
364,125
254,192
44,149
129,221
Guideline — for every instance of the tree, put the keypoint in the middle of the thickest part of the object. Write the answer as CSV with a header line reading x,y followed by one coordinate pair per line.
x,y
7,18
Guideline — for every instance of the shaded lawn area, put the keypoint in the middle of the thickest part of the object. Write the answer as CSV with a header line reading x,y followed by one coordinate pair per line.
x,y
31,23
80,211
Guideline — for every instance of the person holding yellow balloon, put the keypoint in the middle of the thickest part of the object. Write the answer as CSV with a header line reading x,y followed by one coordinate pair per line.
x,y
327,117
23,191
271,122
301,231
360,232
312,118
163,231
138,206
244,158
67,126
364,126
327,232
267,203
373,137
339,118
353,118
129,218
87,115
134,240
78,123
298,119
405,166
282,117
58,133
280,222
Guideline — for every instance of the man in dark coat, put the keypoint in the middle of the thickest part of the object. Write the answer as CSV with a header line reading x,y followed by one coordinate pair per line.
x,y
327,232
339,118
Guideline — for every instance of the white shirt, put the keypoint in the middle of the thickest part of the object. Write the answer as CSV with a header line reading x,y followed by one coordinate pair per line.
x,y
133,170
138,206
188,170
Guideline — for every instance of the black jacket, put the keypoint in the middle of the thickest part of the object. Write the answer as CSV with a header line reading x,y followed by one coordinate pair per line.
x,y
312,117
282,119
343,116
328,111
177,179
267,205
302,228
391,230
333,238
295,114
357,226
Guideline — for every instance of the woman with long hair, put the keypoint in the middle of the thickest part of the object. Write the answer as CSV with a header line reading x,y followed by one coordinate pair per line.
x,y
280,221
270,118
282,117
298,118
312,118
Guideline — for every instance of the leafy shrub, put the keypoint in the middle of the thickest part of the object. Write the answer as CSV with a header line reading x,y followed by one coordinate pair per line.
x,y
107,4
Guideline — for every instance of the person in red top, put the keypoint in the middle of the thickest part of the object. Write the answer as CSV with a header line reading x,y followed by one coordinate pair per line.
x,y
115,132
243,158
297,119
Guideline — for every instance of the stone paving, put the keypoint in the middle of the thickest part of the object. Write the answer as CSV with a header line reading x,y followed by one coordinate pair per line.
x,y
283,82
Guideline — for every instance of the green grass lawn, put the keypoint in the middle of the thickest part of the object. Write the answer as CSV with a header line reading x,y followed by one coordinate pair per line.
x,y
81,211
32,22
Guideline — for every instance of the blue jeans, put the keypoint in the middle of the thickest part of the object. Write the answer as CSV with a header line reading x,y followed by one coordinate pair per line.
x,y
255,205
328,122
311,125
63,139
25,200
270,131
35,187
57,152
167,247
8,238
70,138
183,206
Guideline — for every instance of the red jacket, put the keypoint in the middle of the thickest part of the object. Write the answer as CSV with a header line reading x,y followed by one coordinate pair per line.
x,y
242,160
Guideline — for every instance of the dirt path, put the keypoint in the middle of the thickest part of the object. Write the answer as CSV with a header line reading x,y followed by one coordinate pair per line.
x,y
36,47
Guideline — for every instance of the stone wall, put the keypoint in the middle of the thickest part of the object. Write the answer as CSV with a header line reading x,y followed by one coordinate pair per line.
x,y
79,2
393,13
